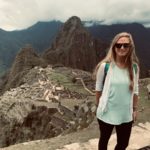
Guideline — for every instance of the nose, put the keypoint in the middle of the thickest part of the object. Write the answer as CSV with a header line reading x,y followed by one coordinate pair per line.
x,y
122,47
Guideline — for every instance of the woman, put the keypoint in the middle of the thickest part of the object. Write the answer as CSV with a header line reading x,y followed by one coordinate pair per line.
x,y
117,91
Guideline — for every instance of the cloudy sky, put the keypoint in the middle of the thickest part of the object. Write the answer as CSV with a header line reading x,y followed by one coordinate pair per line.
x,y
20,14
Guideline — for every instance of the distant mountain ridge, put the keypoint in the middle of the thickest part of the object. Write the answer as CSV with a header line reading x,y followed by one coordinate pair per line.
x,y
141,36
73,47
39,36
42,34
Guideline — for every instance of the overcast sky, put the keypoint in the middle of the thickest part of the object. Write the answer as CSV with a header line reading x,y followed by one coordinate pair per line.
x,y
20,14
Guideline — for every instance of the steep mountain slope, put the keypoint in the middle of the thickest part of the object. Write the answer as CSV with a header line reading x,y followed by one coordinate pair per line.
x,y
75,47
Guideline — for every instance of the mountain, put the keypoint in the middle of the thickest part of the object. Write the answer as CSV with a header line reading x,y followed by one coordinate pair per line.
x,y
25,60
43,34
75,47
41,99
141,36
39,36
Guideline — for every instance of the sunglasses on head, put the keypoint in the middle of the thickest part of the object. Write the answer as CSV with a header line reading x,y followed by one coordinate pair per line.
x,y
125,45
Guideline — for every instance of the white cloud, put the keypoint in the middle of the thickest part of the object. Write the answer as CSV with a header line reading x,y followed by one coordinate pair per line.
x,y
19,14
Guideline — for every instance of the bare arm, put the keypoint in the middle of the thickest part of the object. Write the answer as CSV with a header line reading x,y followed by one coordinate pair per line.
x,y
135,107
135,102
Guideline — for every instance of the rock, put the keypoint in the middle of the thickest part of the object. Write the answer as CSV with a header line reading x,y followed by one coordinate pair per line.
x,y
25,60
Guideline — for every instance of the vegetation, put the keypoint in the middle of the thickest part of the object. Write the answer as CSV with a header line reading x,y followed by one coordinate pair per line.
x,y
65,79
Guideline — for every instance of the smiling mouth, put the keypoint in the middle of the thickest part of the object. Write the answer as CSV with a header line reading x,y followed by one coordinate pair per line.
x,y
122,52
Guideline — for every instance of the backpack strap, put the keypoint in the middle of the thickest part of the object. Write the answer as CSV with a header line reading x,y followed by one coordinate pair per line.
x,y
105,71
106,67
135,67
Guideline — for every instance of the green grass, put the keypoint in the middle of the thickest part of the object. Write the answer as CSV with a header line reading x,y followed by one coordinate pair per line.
x,y
66,80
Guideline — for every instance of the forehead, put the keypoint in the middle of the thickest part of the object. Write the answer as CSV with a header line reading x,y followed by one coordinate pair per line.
x,y
123,40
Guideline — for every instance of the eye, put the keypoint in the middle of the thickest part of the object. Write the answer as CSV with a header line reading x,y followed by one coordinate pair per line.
x,y
125,45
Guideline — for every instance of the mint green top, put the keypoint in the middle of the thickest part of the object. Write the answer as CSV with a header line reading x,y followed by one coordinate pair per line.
x,y
119,99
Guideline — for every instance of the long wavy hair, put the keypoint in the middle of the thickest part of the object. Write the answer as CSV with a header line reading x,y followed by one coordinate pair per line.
x,y
130,59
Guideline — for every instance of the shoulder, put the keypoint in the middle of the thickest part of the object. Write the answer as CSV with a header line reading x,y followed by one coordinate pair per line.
x,y
101,67
103,64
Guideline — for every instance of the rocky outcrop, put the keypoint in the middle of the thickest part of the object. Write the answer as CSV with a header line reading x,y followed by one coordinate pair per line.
x,y
44,106
75,47
24,61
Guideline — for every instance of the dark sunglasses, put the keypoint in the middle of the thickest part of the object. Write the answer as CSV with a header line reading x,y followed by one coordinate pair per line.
x,y
125,45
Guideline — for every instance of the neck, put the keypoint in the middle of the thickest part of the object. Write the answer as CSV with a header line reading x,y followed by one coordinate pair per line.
x,y
120,60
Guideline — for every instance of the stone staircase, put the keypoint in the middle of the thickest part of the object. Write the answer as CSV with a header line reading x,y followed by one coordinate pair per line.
x,y
140,138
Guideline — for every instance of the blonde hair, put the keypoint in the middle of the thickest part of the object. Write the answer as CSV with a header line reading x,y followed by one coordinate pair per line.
x,y
130,59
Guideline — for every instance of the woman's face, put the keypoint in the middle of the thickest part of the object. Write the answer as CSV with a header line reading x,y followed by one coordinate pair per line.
x,y
122,46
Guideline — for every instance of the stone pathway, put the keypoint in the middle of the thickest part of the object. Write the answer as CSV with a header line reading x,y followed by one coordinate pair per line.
x,y
140,137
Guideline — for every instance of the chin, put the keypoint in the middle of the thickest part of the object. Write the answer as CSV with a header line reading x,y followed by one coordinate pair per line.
x,y
122,55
